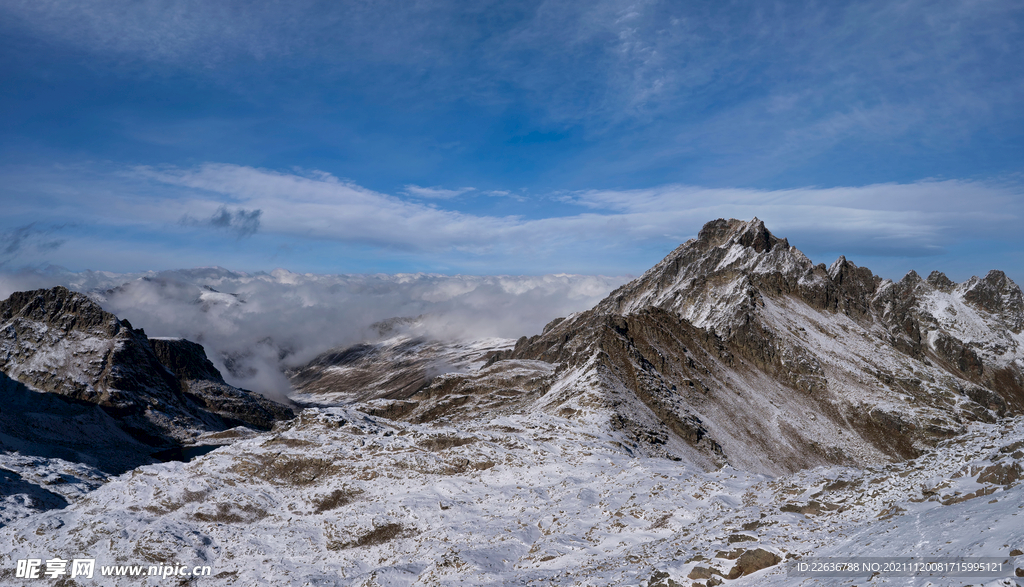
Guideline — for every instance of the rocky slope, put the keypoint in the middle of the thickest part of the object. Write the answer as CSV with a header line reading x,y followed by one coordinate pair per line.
x,y
91,388
393,368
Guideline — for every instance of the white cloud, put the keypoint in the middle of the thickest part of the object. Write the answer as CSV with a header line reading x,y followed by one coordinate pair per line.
x,y
435,192
506,194
326,207
916,215
902,218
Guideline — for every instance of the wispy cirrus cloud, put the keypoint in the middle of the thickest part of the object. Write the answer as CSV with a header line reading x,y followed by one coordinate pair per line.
x,y
601,64
920,218
435,192
32,236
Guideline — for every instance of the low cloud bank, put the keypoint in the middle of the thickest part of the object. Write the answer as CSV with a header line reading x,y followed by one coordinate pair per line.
x,y
256,325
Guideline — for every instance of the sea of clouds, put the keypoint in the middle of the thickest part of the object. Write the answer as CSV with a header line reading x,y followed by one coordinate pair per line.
x,y
256,326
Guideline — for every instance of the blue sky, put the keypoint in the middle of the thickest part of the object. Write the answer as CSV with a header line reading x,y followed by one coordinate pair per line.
x,y
507,137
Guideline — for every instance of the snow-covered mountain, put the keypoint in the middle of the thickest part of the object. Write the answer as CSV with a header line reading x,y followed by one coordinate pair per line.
x,y
737,342
735,409
395,367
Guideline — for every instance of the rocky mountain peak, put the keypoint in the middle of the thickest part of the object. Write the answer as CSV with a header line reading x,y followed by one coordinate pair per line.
x,y
185,358
737,321
705,278
995,293
911,279
939,281
62,309
837,266
751,234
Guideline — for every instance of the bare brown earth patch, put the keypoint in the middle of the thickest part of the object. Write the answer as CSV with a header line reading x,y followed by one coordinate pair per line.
x,y
285,469
439,443
378,535
231,513
752,561
334,500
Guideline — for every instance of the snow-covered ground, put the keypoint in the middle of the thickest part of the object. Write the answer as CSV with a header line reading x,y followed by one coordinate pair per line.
x,y
397,363
336,497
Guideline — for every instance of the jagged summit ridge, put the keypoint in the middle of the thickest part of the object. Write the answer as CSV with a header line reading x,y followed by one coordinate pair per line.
x,y
708,280
63,309
752,234
61,341
704,279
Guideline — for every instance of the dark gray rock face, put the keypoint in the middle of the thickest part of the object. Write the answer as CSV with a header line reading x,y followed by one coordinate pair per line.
x,y
160,393
202,383
61,342
998,294
186,359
